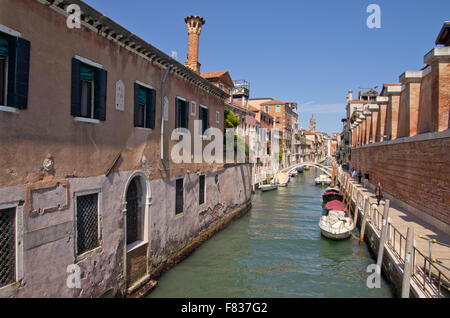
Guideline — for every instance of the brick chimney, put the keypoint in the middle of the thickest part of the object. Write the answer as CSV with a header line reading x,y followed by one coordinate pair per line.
x,y
194,27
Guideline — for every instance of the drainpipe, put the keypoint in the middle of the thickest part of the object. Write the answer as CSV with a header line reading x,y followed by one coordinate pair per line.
x,y
163,84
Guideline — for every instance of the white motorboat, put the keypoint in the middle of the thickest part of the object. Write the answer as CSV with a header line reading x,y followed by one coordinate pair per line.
x,y
282,179
336,225
323,180
268,187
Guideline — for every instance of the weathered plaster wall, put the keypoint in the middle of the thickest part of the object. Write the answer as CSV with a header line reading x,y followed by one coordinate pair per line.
x,y
47,127
48,239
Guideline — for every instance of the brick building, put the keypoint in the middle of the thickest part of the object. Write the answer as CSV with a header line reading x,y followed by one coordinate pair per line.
x,y
402,138
87,120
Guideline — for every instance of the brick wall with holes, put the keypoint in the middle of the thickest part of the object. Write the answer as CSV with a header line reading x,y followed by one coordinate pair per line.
x,y
417,173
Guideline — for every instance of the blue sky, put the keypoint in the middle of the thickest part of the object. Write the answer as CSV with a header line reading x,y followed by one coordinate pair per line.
x,y
309,52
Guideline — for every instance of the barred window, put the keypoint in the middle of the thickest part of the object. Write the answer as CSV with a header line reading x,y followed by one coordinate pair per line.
x,y
179,196
88,236
7,247
201,185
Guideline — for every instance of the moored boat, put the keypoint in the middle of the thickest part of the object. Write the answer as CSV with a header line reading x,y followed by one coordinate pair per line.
x,y
323,180
331,196
300,170
336,225
268,187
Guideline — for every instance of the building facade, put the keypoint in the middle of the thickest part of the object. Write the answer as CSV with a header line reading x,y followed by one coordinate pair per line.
x,y
88,178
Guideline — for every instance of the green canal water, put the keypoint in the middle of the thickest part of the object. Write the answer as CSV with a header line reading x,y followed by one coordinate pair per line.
x,y
276,250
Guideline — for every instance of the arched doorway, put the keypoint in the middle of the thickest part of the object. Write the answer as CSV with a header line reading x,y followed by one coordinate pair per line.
x,y
137,202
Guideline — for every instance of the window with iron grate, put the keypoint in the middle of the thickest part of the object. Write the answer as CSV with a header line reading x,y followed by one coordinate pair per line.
x,y
88,234
7,247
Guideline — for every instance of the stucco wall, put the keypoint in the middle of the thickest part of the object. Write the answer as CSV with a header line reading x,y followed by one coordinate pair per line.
x,y
48,239
47,127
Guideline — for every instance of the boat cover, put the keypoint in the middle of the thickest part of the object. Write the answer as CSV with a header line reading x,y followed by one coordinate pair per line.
x,y
335,205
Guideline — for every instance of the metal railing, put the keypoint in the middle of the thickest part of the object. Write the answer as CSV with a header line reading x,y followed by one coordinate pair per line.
x,y
433,282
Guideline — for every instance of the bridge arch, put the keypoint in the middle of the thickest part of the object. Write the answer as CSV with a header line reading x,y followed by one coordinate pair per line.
x,y
324,169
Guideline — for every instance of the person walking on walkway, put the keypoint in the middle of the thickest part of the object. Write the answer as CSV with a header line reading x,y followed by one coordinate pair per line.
x,y
354,173
379,192
359,176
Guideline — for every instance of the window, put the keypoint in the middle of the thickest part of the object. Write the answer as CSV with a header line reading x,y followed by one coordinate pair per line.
x,y
201,190
181,113
14,71
144,106
179,196
267,108
203,116
221,86
217,117
87,223
278,109
7,246
3,72
88,97
193,108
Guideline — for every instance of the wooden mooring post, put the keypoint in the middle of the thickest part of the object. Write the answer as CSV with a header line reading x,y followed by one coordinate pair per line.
x,y
366,209
383,234
408,263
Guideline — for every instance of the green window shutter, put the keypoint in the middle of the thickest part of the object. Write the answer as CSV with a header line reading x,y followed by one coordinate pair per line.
x,y
136,104
186,114
18,72
87,73
4,45
100,86
75,102
151,108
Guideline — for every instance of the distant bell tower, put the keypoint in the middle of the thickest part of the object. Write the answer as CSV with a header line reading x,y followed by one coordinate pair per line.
x,y
312,124
194,27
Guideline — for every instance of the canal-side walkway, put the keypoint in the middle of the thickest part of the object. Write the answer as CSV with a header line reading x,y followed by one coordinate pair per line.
x,y
400,219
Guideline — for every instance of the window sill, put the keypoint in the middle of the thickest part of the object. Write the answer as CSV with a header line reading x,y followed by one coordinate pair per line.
x,y
179,215
96,250
86,120
144,128
9,109
8,290
135,245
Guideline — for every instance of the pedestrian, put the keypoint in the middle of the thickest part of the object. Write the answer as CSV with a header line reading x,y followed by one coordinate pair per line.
x,y
379,192
359,176
354,173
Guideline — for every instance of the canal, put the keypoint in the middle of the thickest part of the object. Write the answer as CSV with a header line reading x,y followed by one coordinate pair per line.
x,y
276,250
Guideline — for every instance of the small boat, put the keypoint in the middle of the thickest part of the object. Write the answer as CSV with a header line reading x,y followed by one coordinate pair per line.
x,y
293,173
282,179
336,225
300,170
268,187
323,180
331,196
335,205
306,168
332,189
